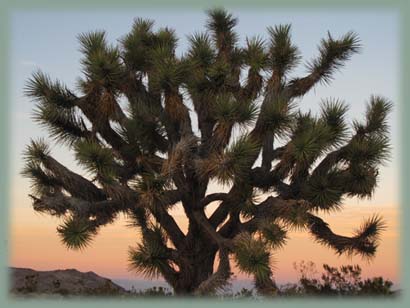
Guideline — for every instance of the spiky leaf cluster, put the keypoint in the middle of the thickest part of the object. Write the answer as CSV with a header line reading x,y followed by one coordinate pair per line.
x,y
232,165
150,256
228,111
325,192
273,233
333,53
96,159
76,233
283,55
252,256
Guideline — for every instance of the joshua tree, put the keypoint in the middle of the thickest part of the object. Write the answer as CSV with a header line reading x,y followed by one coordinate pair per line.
x,y
153,130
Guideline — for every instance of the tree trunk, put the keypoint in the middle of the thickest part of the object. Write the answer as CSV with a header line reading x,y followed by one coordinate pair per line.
x,y
198,266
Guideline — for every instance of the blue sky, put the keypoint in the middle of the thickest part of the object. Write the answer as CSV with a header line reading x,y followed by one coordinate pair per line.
x,y
47,40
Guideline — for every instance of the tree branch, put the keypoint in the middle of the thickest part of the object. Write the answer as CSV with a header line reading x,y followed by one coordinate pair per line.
x,y
333,54
364,242
211,198
58,204
74,183
170,226
219,278
217,238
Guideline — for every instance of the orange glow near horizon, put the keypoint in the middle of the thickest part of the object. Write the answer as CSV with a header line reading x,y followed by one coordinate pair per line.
x,y
35,244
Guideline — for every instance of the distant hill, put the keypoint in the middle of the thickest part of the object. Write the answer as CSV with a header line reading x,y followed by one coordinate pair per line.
x,y
68,282
25,281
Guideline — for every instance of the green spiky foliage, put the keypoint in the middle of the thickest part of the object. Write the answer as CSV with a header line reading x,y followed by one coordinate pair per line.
x,y
76,233
151,257
252,256
129,125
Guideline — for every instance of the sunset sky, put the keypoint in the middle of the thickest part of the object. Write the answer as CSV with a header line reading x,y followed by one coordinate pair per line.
x,y
46,40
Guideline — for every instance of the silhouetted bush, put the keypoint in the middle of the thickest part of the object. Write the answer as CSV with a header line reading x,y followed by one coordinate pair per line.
x,y
345,280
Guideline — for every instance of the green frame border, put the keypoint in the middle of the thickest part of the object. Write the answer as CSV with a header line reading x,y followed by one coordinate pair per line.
x,y
8,6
